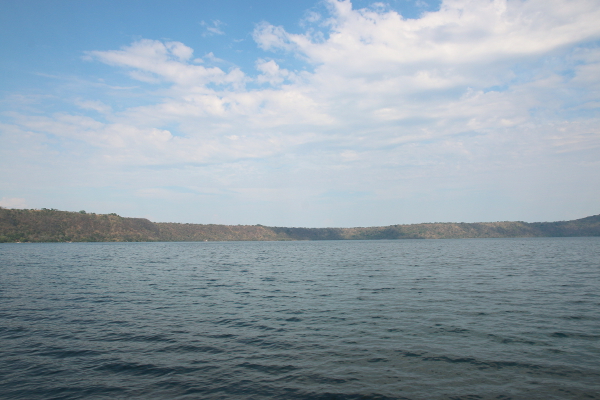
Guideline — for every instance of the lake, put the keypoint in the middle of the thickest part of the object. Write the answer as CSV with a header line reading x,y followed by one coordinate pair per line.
x,y
397,319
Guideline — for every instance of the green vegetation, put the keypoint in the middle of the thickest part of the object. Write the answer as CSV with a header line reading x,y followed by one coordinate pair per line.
x,y
50,225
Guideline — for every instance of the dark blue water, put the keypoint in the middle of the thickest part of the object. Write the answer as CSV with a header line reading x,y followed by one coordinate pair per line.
x,y
405,319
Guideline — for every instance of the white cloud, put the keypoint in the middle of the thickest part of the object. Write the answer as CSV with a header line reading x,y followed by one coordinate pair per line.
x,y
459,34
269,37
155,60
311,17
272,74
376,75
213,28
94,105
179,50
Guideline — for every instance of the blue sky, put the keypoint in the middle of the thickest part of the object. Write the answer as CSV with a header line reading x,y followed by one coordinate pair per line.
x,y
305,113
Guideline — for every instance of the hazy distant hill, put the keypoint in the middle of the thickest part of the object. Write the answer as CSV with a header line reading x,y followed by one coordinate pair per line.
x,y
49,225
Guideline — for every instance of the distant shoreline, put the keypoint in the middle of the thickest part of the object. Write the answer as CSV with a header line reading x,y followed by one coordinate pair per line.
x,y
50,225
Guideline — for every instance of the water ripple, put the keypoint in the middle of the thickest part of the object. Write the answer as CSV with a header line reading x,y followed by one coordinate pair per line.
x,y
439,319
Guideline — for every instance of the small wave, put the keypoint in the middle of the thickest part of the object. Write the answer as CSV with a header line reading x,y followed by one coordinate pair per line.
x,y
13,332
188,348
269,369
574,335
66,392
128,337
555,370
69,353
143,369
354,396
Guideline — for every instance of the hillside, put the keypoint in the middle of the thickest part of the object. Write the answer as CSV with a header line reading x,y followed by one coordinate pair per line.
x,y
49,225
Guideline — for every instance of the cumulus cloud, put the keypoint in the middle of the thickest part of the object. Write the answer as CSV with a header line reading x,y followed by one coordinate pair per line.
x,y
272,73
378,80
465,43
375,74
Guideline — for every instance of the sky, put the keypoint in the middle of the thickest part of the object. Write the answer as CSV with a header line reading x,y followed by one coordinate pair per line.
x,y
311,113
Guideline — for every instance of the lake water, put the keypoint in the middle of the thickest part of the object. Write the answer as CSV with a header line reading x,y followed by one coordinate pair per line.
x,y
404,319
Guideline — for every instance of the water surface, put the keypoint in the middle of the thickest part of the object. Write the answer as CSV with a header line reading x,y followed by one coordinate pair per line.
x,y
403,319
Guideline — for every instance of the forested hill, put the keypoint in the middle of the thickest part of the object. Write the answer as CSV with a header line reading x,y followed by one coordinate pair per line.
x,y
49,225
